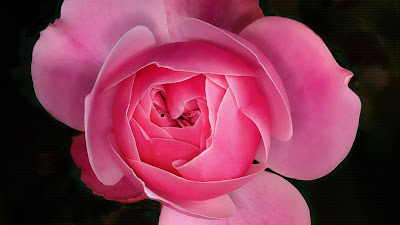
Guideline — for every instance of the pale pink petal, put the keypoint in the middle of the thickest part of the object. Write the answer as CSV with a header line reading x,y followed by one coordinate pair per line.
x,y
268,79
268,199
232,15
99,105
215,208
181,188
62,79
325,111
122,191
233,146
98,125
69,53
99,24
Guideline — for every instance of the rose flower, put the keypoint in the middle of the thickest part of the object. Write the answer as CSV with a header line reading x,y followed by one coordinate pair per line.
x,y
188,102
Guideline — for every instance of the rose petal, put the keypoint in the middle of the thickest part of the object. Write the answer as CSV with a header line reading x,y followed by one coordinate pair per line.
x,y
214,94
268,79
123,191
220,80
267,199
231,15
122,128
325,111
69,54
253,104
162,152
181,188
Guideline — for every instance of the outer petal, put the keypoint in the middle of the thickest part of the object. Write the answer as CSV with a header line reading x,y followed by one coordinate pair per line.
x,y
68,56
268,199
232,15
325,111
123,191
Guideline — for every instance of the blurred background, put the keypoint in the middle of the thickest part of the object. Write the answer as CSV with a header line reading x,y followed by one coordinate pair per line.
x,y
41,185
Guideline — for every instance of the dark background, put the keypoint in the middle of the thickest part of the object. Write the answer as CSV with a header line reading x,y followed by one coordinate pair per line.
x,y
41,185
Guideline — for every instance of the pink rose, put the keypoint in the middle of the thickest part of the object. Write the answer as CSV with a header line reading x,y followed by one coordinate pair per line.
x,y
177,98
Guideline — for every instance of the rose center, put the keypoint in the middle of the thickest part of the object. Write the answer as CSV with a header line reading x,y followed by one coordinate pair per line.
x,y
161,116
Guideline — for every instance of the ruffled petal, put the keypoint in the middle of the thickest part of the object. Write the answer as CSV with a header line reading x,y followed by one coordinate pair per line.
x,y
69,54
233,146
123,191
268,79
232,15
325,111
267,199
